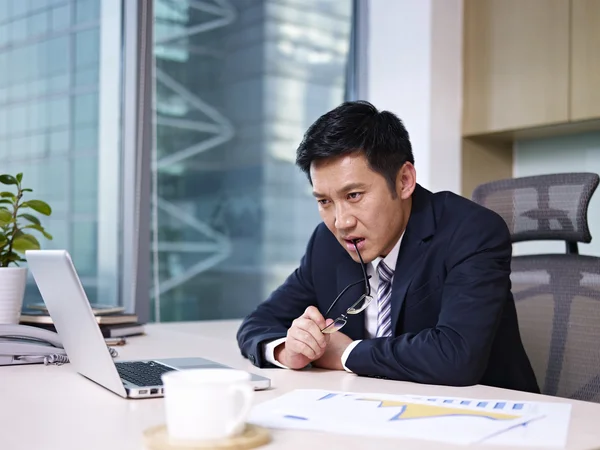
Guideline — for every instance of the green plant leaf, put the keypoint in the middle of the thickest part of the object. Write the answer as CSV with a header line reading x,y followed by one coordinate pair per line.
x,y
5,217
12,257
3,240
8,179
25,242
40,229
27,190
31,218
39,206
19,177
7,194
30,237
5,202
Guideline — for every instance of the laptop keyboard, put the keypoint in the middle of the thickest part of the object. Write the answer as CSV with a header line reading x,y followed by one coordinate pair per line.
x,y
142,373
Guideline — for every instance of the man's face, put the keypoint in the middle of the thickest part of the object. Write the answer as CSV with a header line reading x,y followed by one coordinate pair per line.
x,y
355,202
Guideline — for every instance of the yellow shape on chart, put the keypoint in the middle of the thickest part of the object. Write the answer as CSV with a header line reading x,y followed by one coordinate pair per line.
x,y
418,411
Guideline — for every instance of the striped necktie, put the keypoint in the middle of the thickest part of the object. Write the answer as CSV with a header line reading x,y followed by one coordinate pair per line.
x,y
384,304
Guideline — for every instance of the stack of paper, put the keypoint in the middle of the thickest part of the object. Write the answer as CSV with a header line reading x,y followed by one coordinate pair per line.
x,y
454,420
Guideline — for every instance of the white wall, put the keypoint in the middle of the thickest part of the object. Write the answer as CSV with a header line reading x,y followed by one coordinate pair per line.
x,y
576,153
414,67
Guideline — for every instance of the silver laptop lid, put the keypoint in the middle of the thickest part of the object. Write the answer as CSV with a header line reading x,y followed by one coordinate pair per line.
x,y
68,305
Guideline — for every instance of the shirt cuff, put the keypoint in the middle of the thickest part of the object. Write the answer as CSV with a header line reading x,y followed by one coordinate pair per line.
x,y
347,353
269,352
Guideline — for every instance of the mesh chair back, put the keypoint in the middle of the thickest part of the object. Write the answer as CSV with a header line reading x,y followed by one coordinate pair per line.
x,y
558,305
545,207
557,296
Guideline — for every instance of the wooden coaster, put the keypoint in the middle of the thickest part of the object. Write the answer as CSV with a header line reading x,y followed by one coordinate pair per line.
x,y
156,438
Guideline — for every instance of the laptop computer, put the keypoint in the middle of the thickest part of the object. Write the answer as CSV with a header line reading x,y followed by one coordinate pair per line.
x,y
68,305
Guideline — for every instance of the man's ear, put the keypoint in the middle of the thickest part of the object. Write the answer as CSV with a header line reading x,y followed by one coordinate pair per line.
x,y
406,181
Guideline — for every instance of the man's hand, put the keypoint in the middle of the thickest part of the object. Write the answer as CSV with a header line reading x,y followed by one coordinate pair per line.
x,y
332,357
304,342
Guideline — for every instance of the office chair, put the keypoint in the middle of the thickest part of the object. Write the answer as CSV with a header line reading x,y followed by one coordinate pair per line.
x,y
557,295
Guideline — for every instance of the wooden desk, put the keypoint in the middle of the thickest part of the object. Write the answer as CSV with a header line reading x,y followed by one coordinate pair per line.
x,y
49,407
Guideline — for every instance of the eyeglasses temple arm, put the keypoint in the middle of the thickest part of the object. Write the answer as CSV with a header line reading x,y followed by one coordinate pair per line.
x,y
340,294
362,265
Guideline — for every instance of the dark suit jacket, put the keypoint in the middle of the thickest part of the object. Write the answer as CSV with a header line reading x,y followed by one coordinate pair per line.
x,y
453,315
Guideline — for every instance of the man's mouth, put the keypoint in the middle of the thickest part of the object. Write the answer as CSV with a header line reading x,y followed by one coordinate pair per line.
x,y
350,241
353,239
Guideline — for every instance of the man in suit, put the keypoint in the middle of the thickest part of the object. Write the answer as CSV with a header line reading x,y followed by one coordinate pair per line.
x,y
438,268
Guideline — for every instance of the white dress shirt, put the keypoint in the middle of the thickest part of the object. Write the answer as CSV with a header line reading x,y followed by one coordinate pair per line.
x,y
370,312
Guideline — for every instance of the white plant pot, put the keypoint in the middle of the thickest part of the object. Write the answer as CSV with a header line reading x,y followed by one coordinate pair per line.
x,y
12,290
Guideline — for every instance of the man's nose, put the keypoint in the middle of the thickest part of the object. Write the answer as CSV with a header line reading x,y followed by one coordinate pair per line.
x,y
344,220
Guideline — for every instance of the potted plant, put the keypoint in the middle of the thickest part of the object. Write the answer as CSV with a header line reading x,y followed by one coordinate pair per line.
x,y
16,225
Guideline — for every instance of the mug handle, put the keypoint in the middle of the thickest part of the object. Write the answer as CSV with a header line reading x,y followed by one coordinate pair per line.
x,y
247,393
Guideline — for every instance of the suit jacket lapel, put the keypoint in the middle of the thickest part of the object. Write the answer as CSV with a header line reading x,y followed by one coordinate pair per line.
x,y
349,272
421,226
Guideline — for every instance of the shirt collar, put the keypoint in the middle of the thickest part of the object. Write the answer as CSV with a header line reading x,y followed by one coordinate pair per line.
x,y
391,258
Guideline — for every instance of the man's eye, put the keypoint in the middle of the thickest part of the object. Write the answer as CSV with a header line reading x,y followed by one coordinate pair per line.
x,y
323,202
354,195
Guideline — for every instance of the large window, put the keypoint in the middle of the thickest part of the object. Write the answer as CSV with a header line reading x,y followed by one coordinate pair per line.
x,y
237,84
50,127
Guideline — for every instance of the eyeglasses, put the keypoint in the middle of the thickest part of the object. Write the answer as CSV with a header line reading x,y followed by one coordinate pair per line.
x,y
359,306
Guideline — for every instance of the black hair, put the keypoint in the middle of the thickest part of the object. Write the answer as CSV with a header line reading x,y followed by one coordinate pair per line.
x,y
358,127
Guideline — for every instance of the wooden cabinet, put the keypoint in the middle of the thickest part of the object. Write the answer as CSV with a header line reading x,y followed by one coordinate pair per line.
x,y
531,70
484,160
516,63
585,59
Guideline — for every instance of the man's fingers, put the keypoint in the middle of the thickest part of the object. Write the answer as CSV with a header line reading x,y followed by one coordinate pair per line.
x,y
313,314
311,328
306,338
293,345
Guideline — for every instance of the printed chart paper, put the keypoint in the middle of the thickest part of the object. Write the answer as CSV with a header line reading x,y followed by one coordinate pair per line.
x,y
551,431
459,421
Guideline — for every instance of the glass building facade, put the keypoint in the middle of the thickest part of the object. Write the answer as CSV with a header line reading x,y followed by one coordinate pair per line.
x,y
235,85
49,54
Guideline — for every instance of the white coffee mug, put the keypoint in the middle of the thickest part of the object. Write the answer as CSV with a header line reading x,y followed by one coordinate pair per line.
x,y
206,404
